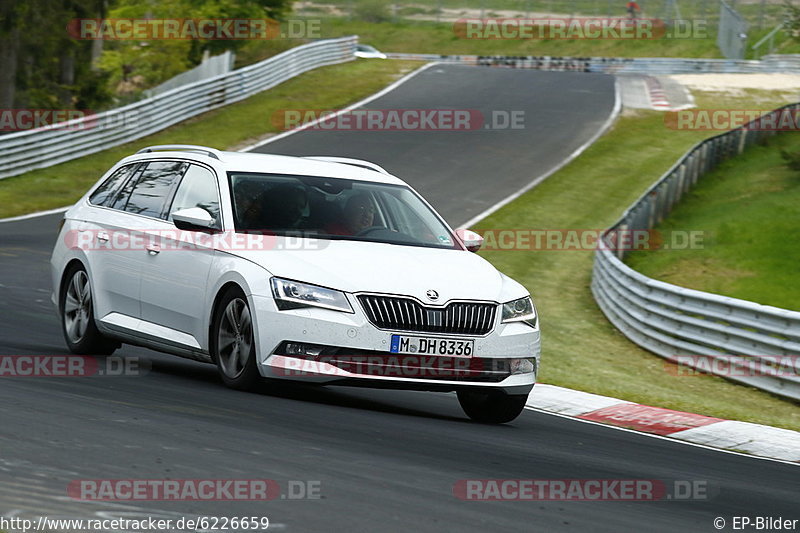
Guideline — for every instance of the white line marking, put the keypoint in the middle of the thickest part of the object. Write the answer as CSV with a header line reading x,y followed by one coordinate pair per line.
x,y
618,428
507,200
36,214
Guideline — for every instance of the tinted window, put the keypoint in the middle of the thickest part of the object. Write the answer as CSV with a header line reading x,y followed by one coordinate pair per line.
x,y
198,188
151,191
106,190
331,208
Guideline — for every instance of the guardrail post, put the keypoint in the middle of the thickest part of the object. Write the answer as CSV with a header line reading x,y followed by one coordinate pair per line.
x,y
742,140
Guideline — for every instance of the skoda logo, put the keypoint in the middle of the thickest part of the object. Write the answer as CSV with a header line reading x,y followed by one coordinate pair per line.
x,y
432,295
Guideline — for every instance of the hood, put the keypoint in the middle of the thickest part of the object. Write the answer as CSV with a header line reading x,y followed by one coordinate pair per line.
x,y
353,266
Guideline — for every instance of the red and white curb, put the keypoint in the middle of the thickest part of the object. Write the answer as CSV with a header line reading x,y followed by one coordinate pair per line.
x,y
658,98
755,439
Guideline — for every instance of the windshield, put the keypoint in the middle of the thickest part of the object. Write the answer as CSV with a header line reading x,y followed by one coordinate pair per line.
x,y
331,208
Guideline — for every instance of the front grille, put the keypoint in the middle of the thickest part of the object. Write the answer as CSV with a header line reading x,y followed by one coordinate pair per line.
x,y
461,318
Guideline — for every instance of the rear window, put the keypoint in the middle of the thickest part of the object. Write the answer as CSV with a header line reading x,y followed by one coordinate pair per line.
x,y
148,195
105,192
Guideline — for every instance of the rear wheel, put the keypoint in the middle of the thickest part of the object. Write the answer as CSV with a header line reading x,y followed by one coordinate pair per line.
x,y
77,316
233,346
491,406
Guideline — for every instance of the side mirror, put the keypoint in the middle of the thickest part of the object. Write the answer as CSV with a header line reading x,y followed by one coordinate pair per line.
x,y
472,241
193,219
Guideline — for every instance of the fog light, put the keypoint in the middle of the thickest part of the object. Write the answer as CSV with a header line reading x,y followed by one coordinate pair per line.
x,y
297,348
522,366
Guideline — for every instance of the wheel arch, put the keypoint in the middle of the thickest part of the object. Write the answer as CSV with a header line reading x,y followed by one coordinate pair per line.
x,y
228,285
68,268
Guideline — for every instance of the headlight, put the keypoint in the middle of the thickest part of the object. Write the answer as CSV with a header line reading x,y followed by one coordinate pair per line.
x,y
293,295
521,310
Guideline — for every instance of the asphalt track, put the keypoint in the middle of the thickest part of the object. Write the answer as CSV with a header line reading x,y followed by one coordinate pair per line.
x,y
384,460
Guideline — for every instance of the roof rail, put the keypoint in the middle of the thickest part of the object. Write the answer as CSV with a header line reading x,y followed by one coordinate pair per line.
x,y
348,161
210,152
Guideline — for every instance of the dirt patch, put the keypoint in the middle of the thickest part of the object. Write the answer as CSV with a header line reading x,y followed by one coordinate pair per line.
x,y
729,82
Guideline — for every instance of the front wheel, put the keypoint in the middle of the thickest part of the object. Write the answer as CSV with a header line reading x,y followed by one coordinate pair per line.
x,y
490,406
233,346
77,316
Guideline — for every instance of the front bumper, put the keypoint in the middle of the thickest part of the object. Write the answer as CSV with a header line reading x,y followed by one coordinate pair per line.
x,y
355,352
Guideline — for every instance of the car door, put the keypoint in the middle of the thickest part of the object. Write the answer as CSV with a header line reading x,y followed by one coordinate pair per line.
x,y
174,278
103,235
137,210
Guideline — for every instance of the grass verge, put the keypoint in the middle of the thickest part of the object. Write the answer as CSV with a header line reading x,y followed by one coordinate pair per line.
x,y
748,209
439,38
582,350
330,87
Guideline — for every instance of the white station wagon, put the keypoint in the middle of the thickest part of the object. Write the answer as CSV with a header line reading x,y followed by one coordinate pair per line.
x,y
321,269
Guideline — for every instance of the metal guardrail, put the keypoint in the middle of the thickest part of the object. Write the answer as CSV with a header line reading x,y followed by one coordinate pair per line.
x,y
740,340
621,65
28,150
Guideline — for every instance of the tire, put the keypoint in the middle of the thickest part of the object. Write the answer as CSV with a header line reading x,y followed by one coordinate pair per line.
x,y
491,407
76,307
233,343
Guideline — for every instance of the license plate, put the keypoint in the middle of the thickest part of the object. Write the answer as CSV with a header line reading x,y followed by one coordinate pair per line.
x,y
432,346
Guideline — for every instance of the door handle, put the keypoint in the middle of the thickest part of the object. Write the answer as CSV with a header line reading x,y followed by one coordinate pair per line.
x,y
102,236
153,249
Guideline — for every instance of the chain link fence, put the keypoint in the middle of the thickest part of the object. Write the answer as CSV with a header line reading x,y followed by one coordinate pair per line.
x,y
731,33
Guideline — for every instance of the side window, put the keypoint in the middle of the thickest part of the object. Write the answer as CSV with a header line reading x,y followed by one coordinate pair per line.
x,y
151,191
198,188
103,194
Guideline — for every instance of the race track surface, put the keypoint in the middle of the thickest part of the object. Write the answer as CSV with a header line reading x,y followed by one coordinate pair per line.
x,y
385,461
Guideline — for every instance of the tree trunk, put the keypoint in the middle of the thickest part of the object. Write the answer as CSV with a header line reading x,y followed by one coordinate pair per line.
x,y
9,46
67,77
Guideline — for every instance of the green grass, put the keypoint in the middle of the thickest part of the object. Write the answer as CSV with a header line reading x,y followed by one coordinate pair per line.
x,y
325,88
748,211
439,38
616,8
581,349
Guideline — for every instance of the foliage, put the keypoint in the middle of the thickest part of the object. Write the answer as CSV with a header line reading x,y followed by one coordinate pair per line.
x,y
792,159
372,11
43,66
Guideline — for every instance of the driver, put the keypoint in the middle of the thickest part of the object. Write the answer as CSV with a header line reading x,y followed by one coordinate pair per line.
x,y
359,214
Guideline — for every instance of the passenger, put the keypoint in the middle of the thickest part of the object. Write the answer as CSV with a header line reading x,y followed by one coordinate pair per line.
x,y
283,207
359,214
245,197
